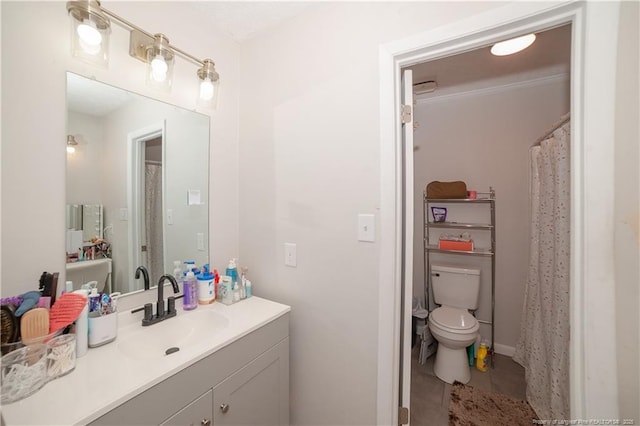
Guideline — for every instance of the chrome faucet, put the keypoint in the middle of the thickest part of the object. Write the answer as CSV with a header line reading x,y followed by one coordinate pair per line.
x,y
145,275
161,314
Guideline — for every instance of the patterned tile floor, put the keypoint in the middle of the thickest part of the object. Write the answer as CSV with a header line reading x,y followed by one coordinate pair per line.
x,y
430,395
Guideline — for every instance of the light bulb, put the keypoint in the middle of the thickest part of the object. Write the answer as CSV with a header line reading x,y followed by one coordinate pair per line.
x,y
206,89
90,37
159,68
70,149
514,45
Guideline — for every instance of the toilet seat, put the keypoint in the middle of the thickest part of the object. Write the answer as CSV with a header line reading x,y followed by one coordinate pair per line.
x,y
453,320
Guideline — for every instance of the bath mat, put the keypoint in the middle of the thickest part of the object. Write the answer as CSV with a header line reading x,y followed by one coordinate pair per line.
x,y
470,406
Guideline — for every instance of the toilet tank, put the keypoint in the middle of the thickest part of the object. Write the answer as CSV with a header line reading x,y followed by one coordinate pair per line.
x,y
455,286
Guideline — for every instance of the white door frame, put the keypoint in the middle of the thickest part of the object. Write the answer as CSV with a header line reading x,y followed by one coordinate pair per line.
x,y
135,196
593,377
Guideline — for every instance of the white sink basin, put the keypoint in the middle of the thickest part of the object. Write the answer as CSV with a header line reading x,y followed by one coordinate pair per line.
x,y
179,332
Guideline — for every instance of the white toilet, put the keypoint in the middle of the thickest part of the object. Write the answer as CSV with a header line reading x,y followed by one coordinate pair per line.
x,y
456,289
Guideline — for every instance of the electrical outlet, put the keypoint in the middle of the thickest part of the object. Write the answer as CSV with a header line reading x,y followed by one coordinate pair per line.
x,y
290,256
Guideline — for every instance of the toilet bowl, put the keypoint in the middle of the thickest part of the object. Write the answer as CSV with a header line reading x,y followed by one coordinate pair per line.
x,y
454,329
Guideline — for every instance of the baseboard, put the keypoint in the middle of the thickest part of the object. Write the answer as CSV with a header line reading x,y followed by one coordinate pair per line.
x,y
505,350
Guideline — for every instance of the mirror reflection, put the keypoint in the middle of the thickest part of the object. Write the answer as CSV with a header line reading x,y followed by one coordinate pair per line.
x,y
137,186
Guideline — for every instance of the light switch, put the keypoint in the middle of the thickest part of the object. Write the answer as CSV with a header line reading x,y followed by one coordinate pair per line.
x,y
200,238
366,227
124,214
169,216
290,256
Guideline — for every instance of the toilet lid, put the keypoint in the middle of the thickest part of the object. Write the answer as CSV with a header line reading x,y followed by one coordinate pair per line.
x,y
454,318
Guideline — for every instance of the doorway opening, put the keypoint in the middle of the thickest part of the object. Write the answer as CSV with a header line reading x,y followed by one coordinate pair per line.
x,y
146,177
593,77
475,118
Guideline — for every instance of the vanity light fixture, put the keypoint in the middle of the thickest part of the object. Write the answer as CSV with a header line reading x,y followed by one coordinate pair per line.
x,y
209,80
90,31
71,144
514,45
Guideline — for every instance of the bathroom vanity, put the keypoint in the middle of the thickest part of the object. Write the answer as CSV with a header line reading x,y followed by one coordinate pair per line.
x,y
232,367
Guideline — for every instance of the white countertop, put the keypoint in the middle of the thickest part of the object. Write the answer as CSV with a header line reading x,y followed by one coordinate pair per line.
x,y
105,378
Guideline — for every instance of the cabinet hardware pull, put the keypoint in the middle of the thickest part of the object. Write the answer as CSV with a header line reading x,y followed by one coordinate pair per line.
x,y
205,422
224,407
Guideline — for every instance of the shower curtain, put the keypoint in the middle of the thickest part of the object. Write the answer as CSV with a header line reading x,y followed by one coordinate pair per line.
x,y
153,219
543,347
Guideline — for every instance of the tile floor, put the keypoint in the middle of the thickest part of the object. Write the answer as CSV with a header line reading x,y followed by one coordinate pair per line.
x,y
430,395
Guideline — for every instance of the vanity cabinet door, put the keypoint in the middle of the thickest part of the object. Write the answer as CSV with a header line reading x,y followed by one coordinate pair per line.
x,y
198,413
257,394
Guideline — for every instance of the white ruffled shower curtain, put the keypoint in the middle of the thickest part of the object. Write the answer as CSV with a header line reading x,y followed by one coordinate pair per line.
x,y
153,219
543,348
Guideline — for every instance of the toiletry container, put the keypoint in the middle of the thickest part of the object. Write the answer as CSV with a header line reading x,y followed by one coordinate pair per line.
x,y
481,361
94,300
177,270
206,287
189,265
225,294
236,292
247,289
232,271
190,291
82,327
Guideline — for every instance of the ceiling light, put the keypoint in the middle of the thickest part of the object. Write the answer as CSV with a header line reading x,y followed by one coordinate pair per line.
x,y
514,45
209,82
71,144
90,29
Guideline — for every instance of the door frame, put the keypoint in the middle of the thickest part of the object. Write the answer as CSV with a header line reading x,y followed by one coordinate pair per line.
x,y
593,377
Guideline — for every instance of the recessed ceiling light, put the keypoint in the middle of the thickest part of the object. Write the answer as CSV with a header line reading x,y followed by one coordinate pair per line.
x,y
514,45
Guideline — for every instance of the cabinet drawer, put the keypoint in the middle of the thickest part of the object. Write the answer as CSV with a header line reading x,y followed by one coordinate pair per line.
x,y
198,413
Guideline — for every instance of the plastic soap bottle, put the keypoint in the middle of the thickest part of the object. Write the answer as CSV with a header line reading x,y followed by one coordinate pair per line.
x,y
236,292
177,270
189,265
481,360
232,271
190,290
94,300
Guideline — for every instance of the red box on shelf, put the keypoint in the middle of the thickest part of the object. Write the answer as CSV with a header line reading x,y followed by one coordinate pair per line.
x,y
455,245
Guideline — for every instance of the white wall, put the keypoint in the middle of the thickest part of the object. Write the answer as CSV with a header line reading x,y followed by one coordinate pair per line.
x,y
84,173
310,161
34,122
483,138
627,211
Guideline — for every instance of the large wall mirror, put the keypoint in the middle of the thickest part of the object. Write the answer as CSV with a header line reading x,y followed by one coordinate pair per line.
x,y
137,186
